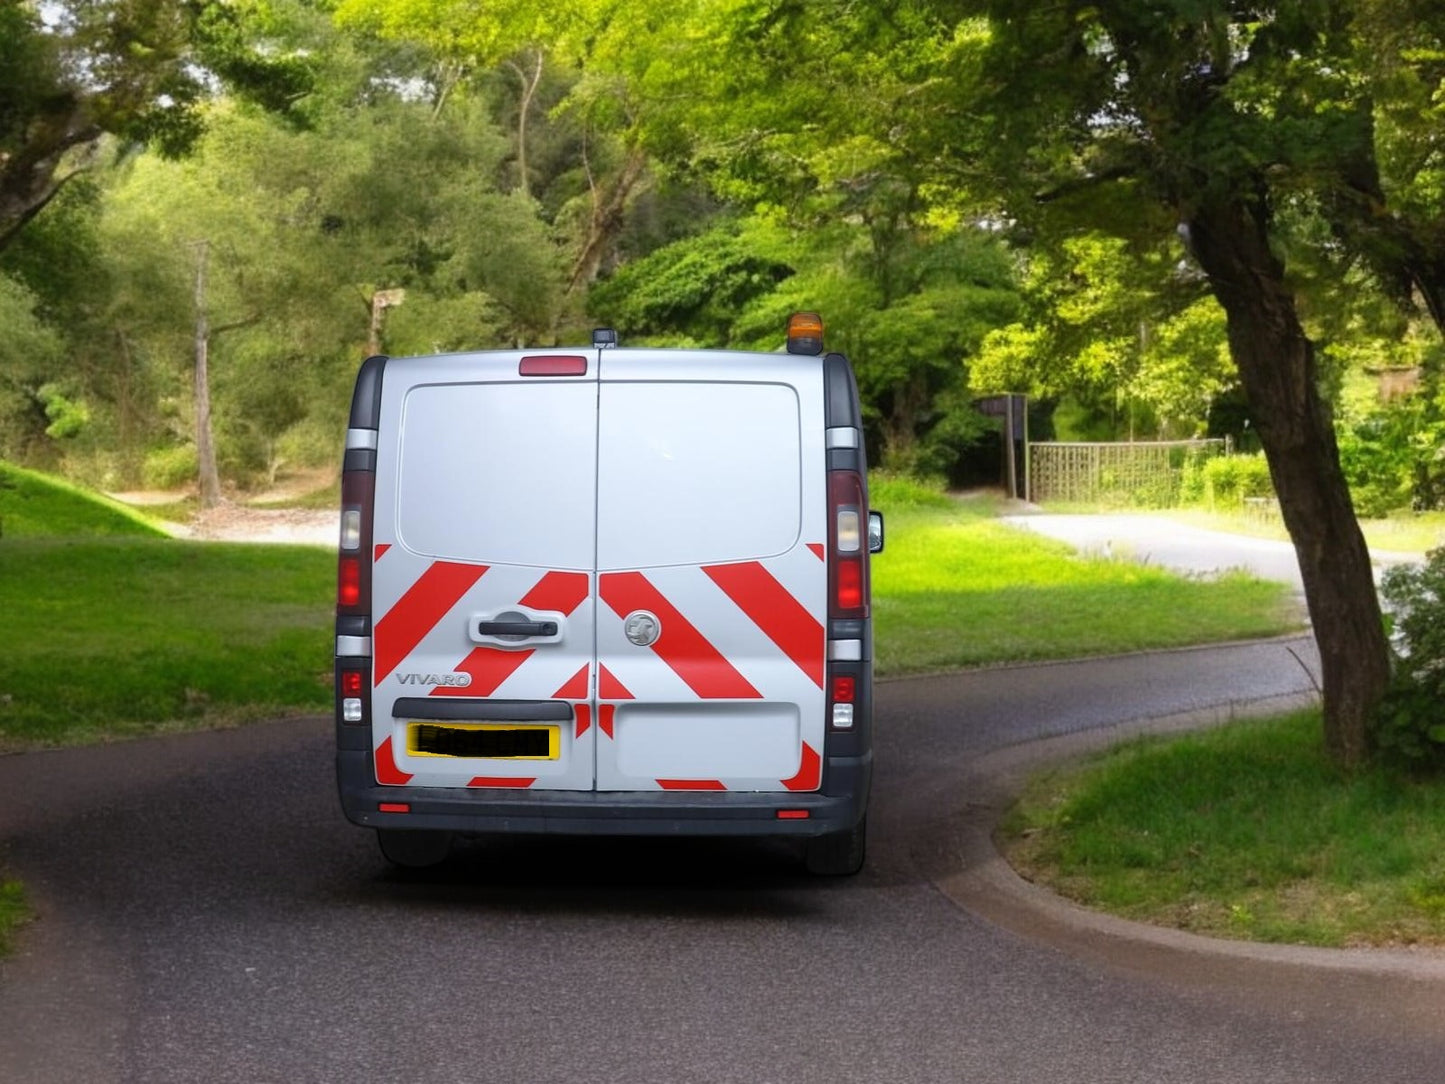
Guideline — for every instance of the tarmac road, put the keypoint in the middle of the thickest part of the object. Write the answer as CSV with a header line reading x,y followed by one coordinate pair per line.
x,y
1159,540
207,915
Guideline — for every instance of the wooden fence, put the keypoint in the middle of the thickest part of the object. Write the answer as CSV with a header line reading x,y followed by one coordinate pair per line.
x,y
1147,474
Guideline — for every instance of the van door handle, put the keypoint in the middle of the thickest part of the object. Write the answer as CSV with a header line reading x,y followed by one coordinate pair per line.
x,y
516,628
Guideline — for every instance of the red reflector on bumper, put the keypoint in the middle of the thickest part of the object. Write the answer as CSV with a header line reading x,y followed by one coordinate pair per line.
x,y
394,807
793,814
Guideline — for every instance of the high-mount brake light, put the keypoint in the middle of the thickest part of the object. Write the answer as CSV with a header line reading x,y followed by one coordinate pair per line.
x,y
805,333
553,365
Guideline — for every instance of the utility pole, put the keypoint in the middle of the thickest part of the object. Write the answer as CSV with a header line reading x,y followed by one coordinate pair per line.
x,y
209,476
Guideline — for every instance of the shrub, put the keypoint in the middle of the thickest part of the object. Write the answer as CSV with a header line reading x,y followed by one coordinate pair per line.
x,y
170,468
1379,462
888,491
1229,479
1409,724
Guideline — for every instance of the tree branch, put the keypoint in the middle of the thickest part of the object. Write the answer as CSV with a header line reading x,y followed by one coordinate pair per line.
x,y
1084,184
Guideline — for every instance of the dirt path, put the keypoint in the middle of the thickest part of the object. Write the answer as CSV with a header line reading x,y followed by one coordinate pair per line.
x,y
238,523
234,521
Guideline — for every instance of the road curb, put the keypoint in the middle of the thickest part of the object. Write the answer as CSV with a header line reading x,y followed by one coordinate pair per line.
x,y
988,886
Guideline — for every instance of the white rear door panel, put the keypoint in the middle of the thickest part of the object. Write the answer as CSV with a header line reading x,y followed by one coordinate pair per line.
x,y
485,512
712,584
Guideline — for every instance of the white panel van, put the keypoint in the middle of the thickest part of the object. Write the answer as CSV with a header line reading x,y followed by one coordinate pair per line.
x,y
607,590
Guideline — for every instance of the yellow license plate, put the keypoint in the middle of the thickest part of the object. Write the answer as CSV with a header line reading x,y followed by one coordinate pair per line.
x,y
484,741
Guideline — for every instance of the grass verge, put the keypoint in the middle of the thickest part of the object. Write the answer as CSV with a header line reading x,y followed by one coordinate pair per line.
x,y
1248,832
38,505
1405,532
110,638
955,588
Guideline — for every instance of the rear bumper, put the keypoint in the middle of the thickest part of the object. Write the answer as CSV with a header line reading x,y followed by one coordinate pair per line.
x,y
631,813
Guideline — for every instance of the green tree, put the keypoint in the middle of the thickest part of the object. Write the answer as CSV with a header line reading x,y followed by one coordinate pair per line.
x,y
75,71
1127,336
787,111
1202,118
30,353
544,57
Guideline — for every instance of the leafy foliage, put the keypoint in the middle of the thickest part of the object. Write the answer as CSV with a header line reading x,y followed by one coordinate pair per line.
x,y
141,71
1226,481
1119,330
1391,450
30,349
691,291
1408,723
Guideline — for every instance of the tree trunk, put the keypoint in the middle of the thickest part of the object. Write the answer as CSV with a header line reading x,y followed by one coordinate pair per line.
x,y
899,424
210,478
528,82
1276,363
28,176
609,214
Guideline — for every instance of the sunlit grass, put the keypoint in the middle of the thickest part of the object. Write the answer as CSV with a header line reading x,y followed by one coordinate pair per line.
x,y
38,505
1248,831
956,588
113,637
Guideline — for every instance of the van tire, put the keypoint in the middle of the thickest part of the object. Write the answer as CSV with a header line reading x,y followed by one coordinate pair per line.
x,y
838,854
412,849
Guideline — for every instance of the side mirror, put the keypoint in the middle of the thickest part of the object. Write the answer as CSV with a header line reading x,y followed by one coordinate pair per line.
x,y
875,532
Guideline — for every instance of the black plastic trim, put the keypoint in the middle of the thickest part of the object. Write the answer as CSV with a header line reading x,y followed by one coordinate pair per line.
x,y
516,628
856,740
366,399
461,709
353,625
840,393
637,813
360,459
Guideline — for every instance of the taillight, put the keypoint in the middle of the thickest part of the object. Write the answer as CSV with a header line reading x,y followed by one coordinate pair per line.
x,y
348,583
842,698
848,567
350,690
353,561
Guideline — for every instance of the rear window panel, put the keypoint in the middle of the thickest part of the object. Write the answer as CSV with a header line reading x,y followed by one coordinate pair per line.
x,y
499,473
697,473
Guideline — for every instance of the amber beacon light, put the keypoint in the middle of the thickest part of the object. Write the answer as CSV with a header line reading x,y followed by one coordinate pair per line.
x,y
805,333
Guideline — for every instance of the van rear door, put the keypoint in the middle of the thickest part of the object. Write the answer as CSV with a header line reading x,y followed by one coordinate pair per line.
x,y
483,574
712,582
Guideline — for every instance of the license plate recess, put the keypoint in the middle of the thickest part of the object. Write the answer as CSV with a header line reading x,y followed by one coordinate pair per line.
x,y
484,741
